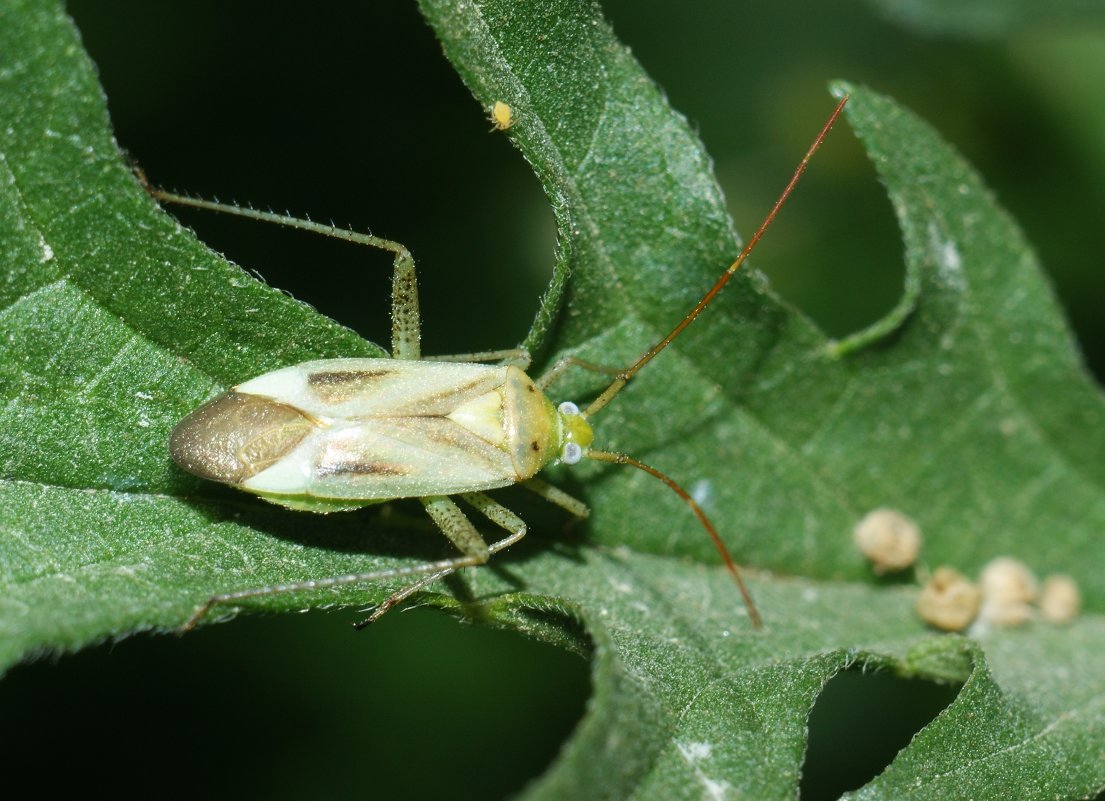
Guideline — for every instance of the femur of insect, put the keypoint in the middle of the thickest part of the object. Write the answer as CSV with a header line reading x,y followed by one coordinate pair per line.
x,y
340,434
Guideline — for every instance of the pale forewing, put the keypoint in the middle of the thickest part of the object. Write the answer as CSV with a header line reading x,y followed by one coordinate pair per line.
x,y
353,389
382,458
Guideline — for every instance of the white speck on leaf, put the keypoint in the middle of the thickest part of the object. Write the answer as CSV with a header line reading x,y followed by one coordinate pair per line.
x,y
694,752
623,587
702,490
949,263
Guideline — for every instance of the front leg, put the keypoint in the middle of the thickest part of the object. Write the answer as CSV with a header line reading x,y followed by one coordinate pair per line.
x,y
406,320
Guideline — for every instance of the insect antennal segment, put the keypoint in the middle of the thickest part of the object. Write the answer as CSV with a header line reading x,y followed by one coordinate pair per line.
x,y
624,377
730,565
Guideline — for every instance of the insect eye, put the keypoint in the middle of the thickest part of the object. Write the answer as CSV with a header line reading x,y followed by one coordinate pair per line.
x,y
567,407
571,454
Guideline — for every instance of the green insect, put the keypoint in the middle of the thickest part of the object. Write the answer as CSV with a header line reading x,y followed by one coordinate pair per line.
x,y
340,434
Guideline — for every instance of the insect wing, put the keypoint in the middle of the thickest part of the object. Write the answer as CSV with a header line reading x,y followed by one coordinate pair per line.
x,y
388,429
334,389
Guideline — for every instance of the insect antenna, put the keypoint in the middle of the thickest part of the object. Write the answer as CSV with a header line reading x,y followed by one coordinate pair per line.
x,y
730,565
623,377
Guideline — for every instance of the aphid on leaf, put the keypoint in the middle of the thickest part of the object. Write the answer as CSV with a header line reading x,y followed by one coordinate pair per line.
x,y
340,434
501,116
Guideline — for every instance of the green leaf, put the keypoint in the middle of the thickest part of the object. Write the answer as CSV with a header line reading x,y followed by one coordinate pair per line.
x,y
966,408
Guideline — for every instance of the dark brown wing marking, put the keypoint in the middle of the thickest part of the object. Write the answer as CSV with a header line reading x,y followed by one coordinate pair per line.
x,y
339,386
362,469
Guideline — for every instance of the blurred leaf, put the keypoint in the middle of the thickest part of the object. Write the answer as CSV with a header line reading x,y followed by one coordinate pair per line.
x,y
990,18
967,408
1064,72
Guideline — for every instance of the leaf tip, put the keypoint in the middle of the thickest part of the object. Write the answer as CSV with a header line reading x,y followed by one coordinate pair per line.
x,y
840,88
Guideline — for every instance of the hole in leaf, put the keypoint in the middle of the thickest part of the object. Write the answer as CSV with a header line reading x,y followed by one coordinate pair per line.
x,y
418,706
858,725
311,120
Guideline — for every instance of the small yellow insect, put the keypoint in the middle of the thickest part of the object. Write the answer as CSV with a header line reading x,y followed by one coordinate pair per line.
x,y
340,434
501,116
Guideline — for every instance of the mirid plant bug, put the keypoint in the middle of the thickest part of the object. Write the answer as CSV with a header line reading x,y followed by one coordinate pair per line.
x,y
339,434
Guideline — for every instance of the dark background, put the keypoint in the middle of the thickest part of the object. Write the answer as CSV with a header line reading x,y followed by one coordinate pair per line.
x,y
352,113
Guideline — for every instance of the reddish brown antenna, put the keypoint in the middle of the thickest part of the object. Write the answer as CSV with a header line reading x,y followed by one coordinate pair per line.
x,y
622,378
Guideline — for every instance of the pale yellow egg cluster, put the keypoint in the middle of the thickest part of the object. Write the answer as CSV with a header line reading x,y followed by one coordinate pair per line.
x,y
1006,593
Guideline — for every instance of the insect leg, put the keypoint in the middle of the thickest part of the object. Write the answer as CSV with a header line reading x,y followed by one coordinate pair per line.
x,y
437,569
500,516
460,531
558,497
458,528
449,518
406,326
516,357
557,370
406,321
